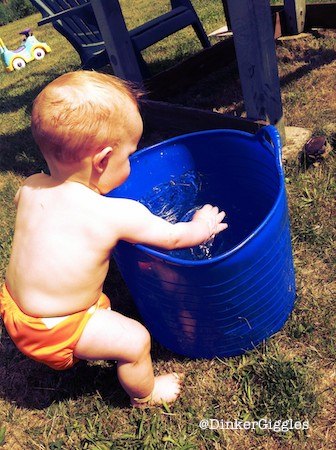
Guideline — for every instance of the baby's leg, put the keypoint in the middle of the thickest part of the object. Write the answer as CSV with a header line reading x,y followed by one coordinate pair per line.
x,y
110,335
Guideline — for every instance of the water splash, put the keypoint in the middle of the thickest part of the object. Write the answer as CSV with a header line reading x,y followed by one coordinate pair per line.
x,y
177,201
172,200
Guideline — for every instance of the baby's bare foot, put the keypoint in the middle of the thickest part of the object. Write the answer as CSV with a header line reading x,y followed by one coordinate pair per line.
x,y
166,390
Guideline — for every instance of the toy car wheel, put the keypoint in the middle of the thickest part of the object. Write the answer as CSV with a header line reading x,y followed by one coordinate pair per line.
x,y
38,53
19,63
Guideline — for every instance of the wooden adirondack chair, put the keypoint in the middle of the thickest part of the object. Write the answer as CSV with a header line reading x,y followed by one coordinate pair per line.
x,y
75,20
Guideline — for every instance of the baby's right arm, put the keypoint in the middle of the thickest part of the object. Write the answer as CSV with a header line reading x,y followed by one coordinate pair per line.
x,y
140,226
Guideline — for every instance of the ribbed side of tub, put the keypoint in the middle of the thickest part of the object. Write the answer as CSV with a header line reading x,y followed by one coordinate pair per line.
x,y
227,304
218,309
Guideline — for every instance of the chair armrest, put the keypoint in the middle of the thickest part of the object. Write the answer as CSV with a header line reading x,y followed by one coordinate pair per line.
x,y
68,12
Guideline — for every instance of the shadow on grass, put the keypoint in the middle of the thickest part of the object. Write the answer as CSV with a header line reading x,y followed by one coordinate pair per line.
x,y
34,386
314,59
20,154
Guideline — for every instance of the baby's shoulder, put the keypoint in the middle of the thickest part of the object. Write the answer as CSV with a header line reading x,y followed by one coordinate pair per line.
x,y
31,182
36,180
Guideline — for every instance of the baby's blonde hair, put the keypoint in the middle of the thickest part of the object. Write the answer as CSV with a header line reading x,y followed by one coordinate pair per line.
x,y
80,112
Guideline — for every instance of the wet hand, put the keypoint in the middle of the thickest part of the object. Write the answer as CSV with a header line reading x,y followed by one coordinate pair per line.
x,y
213,218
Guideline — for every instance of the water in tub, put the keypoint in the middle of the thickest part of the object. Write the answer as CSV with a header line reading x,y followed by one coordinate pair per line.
x,y
177,200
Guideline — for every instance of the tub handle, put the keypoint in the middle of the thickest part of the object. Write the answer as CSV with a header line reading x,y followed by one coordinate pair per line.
x,y
270,137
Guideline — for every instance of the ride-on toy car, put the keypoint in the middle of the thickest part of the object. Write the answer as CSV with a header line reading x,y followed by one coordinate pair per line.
x,y
30,49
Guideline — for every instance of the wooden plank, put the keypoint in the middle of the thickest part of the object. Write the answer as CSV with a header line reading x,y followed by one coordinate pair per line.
x,y
192,69
295,13
166,116
320,15
117,40
255,48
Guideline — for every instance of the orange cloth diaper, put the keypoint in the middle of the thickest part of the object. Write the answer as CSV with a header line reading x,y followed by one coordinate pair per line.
x,y
47,340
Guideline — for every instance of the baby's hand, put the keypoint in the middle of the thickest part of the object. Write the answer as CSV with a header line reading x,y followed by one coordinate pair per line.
x,y
212,217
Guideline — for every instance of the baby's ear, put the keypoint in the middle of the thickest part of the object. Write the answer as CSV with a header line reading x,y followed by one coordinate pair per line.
x,y
101,158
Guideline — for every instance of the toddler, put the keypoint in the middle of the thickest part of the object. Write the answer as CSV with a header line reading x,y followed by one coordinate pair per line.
x,y
86,125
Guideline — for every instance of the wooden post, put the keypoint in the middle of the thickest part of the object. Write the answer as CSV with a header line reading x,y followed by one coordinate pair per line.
x,y
295,14
117,40
253,35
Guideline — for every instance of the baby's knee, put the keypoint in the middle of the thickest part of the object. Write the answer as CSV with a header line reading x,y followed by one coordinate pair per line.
x,y
142,342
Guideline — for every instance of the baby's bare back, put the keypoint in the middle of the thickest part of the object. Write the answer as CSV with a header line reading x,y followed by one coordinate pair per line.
x,y
61,248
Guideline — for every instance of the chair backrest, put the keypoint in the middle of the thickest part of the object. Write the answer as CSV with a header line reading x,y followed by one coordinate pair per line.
x,y
79,28
76,21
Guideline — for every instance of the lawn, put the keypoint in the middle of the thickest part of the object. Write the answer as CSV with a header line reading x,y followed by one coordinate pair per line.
x,y
291,376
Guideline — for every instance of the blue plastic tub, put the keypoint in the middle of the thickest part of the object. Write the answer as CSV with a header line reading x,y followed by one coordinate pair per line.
x,y
243,289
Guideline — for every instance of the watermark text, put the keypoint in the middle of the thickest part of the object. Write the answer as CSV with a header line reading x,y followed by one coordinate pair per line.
x,y
278,426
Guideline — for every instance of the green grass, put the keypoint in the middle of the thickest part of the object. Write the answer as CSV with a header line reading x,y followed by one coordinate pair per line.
x,y
290,376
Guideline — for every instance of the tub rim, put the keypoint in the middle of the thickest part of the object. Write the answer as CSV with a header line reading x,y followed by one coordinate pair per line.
x,y
269,137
